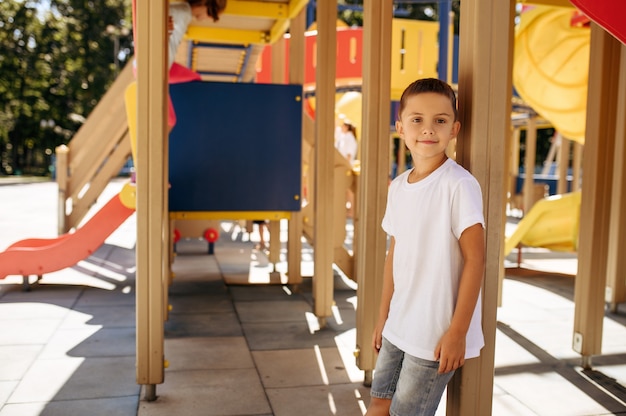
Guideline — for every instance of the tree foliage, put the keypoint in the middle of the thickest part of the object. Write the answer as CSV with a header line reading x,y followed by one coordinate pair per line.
x,y
351,11
57,59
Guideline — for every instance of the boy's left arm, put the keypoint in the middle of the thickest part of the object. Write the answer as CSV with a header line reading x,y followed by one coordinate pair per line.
x,y
450,351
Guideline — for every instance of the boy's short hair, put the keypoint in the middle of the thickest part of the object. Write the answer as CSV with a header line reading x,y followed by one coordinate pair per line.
x,y
429,85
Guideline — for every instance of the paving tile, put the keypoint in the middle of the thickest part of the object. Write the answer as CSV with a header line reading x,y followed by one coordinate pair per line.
x,y
261,292
107,342
65,340
118,406
77,378
195,266
286,335
301,367
272,311
123,293
27,331
510,356
16,359
207,325
23,409
321,400
6,388
208,393
504,404
30,310
107,316
206,353
199,297
62,296
44,379
548,394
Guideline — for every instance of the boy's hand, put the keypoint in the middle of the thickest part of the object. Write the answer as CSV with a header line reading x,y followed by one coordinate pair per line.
x,y
450,352
377,338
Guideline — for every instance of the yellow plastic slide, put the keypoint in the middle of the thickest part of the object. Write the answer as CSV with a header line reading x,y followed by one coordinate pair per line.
x,y
552,223
551,67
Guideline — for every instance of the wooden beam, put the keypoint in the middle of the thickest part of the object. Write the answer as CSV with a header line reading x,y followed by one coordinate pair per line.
x,y
616,283
563,165
530,154
553,3
485,85
595,210
229,215
151,185
371,245
296,76
324,159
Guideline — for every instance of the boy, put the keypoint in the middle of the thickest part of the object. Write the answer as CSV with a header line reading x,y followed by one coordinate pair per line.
x,y
430,313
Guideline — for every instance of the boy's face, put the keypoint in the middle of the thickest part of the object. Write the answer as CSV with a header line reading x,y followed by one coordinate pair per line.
x,y
427,125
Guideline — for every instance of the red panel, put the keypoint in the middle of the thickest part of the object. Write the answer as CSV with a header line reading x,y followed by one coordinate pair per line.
x,y
349,57
608,14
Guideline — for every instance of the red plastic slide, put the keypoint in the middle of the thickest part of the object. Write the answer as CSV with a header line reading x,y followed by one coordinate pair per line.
x,y
36,256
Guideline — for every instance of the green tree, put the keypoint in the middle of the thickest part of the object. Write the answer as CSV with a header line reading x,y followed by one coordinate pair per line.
x,y
56,61
351,11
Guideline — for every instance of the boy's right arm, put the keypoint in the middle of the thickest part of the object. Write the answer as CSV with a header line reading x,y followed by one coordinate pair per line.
x,y
385,300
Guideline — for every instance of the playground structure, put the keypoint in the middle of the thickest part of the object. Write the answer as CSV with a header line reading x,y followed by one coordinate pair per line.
x,y
483,77
150,291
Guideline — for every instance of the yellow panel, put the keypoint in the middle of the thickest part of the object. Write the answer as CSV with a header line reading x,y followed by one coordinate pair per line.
x,y
230,215
555,3
257,9
414,53
209,34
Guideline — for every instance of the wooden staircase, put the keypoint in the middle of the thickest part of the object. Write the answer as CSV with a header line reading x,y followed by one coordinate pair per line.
x,y
96,153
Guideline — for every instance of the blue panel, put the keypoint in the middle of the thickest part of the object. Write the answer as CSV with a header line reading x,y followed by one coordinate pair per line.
x,y
236,147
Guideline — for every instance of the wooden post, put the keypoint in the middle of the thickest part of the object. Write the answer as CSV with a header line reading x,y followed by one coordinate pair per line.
x,y
296,76
529,164
278,77
616,283
485,109
62,163
375,144
513,164
274,255
595,209
577,161
563,165
152,215
324,158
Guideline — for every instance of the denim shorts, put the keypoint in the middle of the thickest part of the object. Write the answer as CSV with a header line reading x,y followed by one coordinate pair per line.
x,y
413,384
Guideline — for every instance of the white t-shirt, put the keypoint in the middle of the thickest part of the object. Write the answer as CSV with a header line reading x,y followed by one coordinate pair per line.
x,y
427,219
181,17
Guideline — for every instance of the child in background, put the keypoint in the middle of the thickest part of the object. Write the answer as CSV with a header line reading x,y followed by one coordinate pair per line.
x,y
345,140
430,314
180,15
